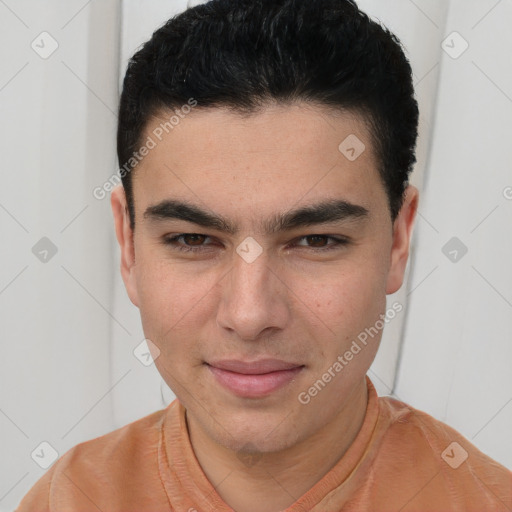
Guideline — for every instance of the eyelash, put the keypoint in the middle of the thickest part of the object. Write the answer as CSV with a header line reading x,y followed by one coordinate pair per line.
x,y
172,241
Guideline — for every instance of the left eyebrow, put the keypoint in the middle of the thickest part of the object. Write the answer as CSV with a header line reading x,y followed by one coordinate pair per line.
x,y
325,212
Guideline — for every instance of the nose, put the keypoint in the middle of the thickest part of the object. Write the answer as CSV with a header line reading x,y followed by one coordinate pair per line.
x,y
254,299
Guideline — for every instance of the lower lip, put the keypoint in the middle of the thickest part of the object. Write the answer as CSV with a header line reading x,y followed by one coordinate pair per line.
x,y
254,386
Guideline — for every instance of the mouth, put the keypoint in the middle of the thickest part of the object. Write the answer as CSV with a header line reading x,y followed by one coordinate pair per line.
x,y
254,379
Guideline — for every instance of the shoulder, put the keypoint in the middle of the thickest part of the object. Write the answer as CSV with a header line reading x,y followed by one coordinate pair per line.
x,y
414,427
440,458
129,442
118,461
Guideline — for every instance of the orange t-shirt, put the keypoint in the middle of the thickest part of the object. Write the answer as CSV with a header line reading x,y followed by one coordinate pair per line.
x,y
401,460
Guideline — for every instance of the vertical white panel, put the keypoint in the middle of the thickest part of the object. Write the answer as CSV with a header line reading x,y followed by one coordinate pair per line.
x,y
57,122
419,26
457,356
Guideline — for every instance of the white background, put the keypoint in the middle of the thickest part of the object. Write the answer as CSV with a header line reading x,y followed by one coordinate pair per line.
x,y
68,330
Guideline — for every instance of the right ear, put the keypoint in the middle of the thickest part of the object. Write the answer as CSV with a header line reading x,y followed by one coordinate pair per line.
x,y
124,236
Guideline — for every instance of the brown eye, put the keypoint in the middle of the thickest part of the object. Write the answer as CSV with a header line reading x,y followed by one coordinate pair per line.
x,y
320,242
187,242
193,239
317,240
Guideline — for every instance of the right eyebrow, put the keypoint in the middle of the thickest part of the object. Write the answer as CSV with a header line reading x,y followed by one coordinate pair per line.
x,y
174,209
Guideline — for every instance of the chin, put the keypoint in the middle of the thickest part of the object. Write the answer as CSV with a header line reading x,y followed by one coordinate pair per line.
x,y
251,435
258,443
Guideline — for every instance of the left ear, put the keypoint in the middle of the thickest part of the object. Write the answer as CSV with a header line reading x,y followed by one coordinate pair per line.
x,y
402,232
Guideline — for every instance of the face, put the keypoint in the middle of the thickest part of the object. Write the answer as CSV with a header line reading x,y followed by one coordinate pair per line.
x,y
250,301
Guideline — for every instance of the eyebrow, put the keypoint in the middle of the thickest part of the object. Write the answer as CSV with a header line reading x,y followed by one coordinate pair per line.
x,y
324,212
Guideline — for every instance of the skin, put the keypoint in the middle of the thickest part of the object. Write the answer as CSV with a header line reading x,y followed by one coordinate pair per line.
x,y
294,302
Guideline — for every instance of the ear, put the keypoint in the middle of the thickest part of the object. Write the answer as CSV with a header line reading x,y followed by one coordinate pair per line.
x,y
124,236
402,232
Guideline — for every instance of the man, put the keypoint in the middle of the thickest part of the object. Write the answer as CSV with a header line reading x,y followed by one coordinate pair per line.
x,y
265,213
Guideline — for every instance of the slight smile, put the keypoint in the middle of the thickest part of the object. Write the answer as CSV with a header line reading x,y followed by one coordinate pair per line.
x,y
254,379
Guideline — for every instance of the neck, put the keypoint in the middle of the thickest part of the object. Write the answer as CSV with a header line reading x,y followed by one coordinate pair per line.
x,y
280,477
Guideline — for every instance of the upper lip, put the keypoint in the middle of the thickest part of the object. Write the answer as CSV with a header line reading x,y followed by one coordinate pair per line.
x,y
253,367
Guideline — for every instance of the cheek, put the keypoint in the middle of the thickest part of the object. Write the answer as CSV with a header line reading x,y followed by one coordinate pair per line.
x,y
166,291
173,305
341,307
156,291
349,296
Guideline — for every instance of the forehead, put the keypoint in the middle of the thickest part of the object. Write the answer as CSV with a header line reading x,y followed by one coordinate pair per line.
x,y
275,128
279,156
